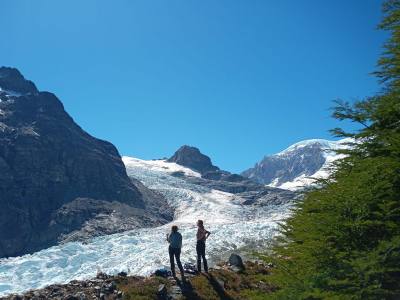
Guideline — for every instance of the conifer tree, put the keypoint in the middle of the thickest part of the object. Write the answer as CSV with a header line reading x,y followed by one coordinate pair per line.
x,y
343,239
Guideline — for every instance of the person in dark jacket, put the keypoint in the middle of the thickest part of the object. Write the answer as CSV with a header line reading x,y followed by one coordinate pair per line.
x,y
174,239
202,235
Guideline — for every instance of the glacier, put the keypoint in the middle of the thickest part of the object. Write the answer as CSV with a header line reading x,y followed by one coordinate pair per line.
x,y
141,251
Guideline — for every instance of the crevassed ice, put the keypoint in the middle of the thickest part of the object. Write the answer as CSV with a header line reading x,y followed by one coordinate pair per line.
x,y
143,250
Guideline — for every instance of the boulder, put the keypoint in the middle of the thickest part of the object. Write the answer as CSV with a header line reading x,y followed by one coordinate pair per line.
x,y
162,292
236,261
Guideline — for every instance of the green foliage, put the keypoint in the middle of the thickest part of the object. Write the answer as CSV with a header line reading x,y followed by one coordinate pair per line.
x,y
343,240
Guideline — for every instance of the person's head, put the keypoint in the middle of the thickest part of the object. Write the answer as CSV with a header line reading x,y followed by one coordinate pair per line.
x,y
174,228
200,223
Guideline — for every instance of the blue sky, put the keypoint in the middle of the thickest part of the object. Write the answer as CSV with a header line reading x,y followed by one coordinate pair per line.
x,y
238,79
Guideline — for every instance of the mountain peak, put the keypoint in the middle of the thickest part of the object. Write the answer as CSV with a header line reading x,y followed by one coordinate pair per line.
x,y
192,158
12,80
293,167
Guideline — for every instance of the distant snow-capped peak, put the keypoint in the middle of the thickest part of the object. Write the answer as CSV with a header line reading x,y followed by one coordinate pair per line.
x,y
324,144
299,165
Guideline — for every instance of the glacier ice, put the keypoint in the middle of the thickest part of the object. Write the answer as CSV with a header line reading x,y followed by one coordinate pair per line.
x,y
141,251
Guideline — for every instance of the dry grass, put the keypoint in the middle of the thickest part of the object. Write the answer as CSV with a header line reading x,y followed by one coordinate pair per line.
x,y
137,288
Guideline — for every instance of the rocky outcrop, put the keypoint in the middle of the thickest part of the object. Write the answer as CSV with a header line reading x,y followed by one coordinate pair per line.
x,y
236,261
102,287
192,158
55,178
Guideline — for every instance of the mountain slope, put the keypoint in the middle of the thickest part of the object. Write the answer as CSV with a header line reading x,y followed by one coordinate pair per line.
x,y
54,177
296,166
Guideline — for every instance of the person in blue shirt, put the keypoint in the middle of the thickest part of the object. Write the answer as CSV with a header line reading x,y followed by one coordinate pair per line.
x,y
174,239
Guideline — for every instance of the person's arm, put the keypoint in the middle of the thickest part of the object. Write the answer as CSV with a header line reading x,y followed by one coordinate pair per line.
x,y
207,234
168,238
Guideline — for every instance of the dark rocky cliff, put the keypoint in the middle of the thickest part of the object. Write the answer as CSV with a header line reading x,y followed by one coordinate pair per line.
x,y
192,158
48,162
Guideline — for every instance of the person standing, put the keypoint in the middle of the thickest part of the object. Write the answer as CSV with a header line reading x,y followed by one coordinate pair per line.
x,y
174,239
202,235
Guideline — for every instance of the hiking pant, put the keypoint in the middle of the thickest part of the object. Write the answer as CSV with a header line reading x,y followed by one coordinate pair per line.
x,y
201,253
175,252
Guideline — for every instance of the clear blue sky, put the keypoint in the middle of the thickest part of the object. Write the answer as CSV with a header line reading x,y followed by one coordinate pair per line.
x,y
238,79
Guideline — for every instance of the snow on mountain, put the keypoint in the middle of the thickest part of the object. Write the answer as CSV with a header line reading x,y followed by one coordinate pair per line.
x,y
141,251
161,165
299,165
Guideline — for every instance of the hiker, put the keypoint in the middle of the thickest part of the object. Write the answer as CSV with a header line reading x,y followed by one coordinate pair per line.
x,y
174,239
202,235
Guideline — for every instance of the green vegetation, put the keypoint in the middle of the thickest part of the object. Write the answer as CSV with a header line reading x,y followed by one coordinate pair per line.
x,y
251,283
141,289
343,240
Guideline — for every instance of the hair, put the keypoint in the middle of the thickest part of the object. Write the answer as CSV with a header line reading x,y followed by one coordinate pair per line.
x,y
174,228
200,222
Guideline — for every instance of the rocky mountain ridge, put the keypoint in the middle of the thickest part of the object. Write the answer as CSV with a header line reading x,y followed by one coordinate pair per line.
x,y
299,165
56,179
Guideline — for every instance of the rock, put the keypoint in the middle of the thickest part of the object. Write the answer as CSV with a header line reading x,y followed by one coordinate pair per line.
x,y
162,291
122,274
81,296
71,297
175,292
102,275
236,261
36,294
12,80
108,287
192,158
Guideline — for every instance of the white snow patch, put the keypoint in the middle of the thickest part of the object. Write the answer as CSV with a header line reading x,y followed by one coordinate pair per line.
x,y
328,145
158,165
11,93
